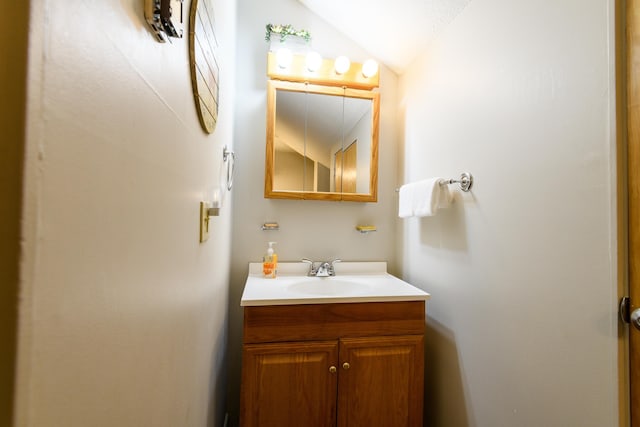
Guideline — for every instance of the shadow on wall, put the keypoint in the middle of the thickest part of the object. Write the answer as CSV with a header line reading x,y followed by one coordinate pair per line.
x,y
238,276
218,383
447,228
445,402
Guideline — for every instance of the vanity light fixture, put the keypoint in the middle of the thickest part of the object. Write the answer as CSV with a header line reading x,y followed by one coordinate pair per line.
x,y
313,69
284,58
314,61
342,64
369,68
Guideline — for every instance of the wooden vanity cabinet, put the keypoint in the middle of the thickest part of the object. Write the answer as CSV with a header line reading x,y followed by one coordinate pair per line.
x,y
345,365
289,384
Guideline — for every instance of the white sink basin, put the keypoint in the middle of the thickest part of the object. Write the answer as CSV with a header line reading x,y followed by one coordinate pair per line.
x,y
353,282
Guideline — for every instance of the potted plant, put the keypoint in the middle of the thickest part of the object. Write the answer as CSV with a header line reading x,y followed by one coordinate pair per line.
x,y
286,32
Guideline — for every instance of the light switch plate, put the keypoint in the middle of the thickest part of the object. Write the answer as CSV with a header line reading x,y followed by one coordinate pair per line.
x,y
204,221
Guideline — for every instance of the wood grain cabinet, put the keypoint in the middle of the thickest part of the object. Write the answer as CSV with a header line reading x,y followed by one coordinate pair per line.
x,y
346,365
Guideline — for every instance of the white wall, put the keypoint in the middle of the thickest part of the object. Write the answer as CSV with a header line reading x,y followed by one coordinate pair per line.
x,y
522,320
123,312
313,229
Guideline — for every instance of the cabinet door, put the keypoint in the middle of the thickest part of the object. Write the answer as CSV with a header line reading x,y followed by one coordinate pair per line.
x,y
289,384
381,381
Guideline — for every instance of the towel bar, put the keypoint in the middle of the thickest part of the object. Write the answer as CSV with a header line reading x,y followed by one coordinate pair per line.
x,y
465,181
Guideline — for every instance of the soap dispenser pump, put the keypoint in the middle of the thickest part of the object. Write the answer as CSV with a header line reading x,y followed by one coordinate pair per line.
x,y
270,262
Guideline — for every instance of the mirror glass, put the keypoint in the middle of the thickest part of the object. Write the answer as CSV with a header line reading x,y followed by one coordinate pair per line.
x,y
322,143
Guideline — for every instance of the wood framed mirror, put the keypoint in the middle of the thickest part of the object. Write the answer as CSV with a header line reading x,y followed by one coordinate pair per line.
x,y
203,63
322,142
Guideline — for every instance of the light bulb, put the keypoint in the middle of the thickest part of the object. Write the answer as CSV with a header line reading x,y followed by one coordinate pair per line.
x,y
314,61
369,68
284,57
342,64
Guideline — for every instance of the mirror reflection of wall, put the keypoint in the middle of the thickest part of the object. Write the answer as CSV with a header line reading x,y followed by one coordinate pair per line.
x,y
293,171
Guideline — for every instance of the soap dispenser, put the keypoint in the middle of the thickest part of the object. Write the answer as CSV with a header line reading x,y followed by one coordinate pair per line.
x,y
270,262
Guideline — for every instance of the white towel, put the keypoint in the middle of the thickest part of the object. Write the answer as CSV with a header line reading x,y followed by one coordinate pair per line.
x,y
423,198
405,204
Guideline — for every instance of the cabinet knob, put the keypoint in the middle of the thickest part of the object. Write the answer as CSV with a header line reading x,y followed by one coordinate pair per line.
x,y
332,369
346,365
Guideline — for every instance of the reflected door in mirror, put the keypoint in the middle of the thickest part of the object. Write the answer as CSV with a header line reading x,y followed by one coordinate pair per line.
x,y
347,172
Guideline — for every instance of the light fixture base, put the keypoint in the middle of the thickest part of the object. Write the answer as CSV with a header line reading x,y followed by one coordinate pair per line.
x,y
325,75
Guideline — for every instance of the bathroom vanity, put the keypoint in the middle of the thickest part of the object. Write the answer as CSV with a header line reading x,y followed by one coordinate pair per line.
x,y
337,351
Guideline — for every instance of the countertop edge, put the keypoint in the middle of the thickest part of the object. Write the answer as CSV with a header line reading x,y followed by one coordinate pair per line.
x,y
348,300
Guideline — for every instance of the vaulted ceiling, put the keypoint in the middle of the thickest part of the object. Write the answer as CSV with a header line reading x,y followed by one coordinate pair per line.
x,y
394,31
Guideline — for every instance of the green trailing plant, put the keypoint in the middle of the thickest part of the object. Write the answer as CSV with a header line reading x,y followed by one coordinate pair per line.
x,y
283,31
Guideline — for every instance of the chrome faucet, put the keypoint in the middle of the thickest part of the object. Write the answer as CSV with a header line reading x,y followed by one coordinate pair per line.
x,y
324,269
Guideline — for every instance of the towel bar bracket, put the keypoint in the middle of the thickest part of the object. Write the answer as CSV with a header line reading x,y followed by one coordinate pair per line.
x,y
465,181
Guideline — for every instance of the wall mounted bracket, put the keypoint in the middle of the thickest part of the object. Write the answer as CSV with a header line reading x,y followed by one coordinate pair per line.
x,y
165,18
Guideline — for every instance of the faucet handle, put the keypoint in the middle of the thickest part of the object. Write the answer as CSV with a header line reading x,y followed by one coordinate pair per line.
x,y
312,271
332,271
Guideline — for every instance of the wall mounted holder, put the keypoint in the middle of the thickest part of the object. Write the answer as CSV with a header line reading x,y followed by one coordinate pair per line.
x,y
165,18
229,158
365,229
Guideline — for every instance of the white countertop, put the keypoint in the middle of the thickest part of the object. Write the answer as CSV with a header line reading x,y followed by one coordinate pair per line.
x,y
353,282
